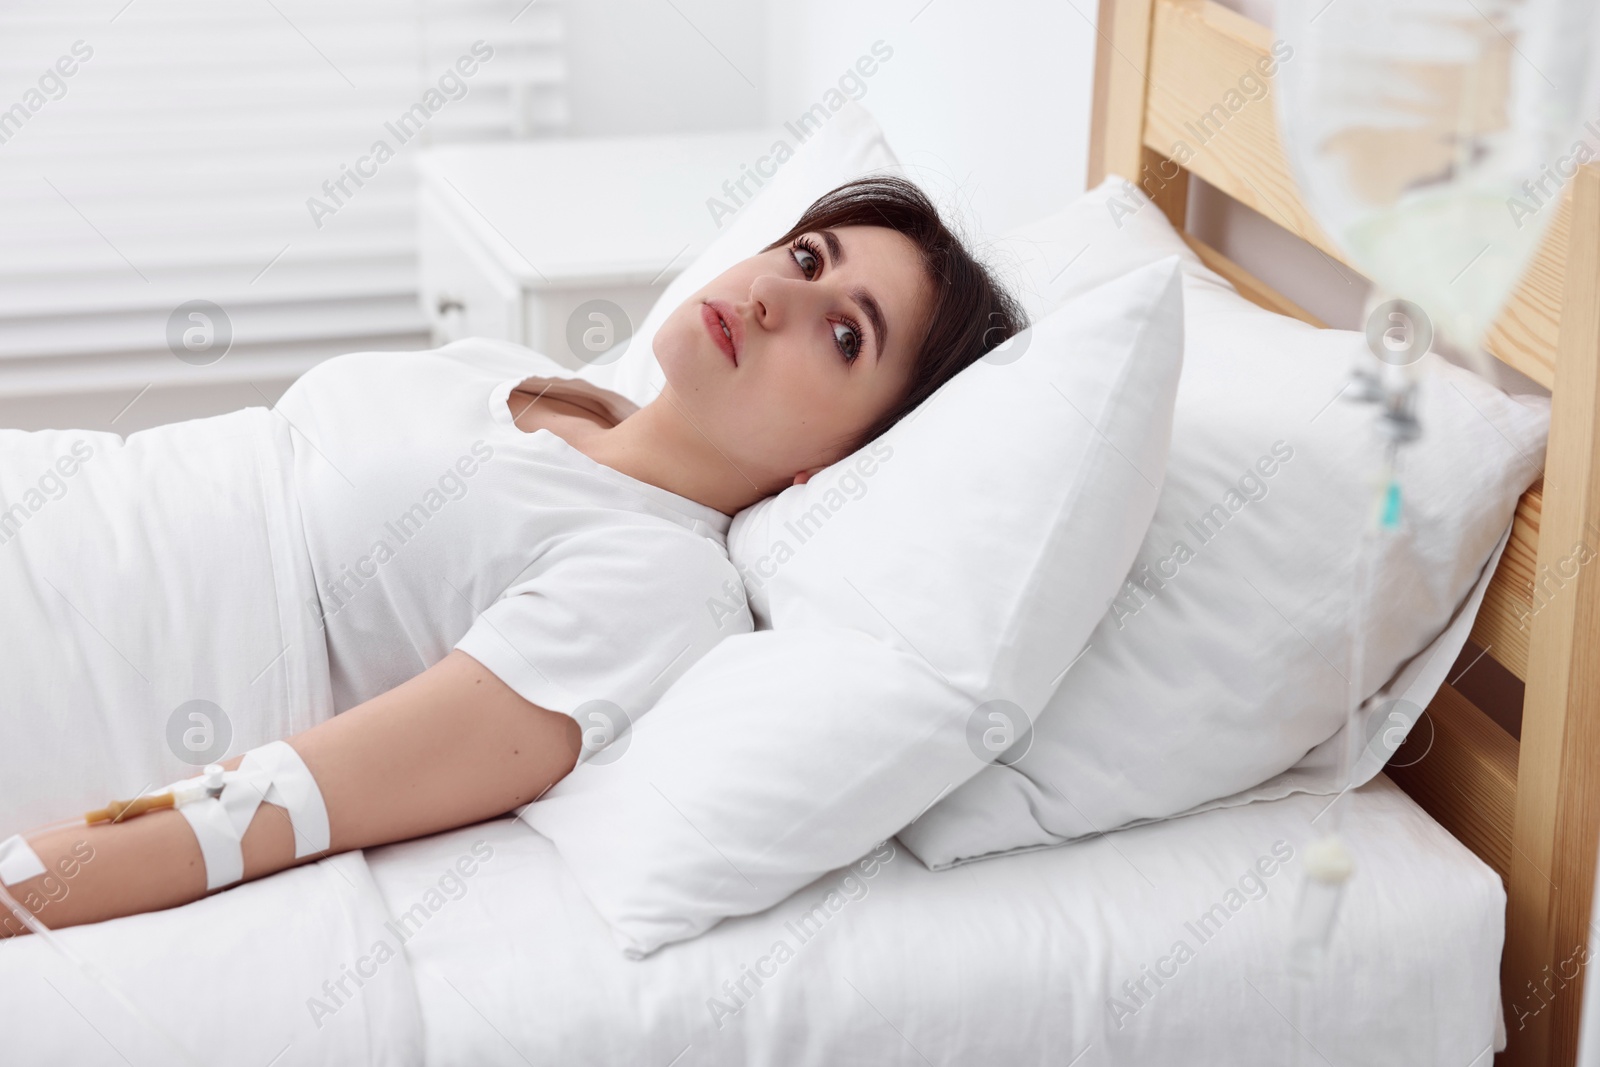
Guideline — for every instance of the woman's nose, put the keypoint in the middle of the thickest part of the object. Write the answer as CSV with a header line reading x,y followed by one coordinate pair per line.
x,y
774,300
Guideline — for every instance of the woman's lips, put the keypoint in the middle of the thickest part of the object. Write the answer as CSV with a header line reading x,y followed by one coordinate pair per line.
x,y
714,313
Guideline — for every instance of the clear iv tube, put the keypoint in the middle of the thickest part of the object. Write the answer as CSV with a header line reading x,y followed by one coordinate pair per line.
x,y
1320,896
1328,863
1367,548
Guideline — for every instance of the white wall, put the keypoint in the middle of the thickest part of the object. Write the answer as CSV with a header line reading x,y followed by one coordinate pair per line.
x,y
988,103
649,66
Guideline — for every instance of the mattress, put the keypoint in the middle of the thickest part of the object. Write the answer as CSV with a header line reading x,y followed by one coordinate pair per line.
x,y
1163,944
1049,957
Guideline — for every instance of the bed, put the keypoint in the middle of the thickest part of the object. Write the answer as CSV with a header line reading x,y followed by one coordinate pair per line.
x,y
1055,956
1475,864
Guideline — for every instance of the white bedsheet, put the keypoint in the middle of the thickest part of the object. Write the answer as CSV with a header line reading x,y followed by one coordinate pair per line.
x,y
1012,961
1009,961
235,979
155,615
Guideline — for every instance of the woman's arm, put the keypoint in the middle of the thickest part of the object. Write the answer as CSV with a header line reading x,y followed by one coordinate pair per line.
x,y
451,747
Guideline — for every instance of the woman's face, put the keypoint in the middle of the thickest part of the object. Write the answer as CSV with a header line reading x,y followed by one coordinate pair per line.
x,y
784,358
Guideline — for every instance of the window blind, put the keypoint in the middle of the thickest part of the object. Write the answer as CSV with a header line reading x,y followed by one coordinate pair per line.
x,y
156,153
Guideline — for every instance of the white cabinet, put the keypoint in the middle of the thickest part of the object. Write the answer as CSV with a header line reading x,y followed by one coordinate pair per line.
x,y
517,237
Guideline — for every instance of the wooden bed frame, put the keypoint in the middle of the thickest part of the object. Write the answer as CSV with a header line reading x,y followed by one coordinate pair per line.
x,y
1530,807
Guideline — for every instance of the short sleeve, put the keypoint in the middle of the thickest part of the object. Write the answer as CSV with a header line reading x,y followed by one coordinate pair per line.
x,y
613,613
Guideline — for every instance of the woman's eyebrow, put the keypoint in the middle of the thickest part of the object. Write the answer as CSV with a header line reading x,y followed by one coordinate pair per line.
x,y
863,299
874,314
835,249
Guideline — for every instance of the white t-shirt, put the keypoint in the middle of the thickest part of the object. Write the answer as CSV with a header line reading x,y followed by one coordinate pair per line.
x,y
434,522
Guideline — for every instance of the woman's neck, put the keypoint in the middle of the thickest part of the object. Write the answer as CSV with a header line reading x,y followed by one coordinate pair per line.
x,y
660,444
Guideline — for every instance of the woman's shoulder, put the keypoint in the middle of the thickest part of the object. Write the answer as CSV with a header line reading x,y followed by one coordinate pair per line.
x,y
504,359
535,372
359,366
382,376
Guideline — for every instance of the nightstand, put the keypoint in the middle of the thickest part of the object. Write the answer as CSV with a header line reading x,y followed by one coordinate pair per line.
x,y
545,242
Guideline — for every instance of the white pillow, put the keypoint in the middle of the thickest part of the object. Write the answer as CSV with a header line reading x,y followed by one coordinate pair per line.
x,y
850,145
943,575
1228,669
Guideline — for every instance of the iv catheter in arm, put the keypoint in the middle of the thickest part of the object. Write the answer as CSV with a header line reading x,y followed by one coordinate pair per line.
x,y
450,747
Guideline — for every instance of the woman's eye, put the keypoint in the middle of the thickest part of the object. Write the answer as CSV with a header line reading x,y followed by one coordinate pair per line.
x,y
806,259
849,342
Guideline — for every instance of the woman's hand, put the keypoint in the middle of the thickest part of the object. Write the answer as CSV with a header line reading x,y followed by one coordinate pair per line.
x,y
451,747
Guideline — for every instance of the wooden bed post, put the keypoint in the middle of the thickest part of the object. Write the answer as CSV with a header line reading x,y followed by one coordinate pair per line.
x,y
1116,130
1121,54
1558,780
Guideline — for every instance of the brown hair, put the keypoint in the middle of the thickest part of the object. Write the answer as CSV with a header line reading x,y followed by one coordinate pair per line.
x,y
971,312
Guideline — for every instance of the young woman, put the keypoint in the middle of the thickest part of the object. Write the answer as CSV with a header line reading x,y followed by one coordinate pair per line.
x,y
586,514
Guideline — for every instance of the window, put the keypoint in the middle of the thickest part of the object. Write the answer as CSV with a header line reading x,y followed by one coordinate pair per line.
x,y
154,153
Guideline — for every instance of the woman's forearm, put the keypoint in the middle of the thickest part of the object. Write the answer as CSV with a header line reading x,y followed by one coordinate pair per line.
x,y
144,864
147,863
451,747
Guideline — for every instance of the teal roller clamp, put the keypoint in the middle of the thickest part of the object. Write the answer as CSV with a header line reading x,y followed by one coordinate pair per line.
x,y
1391,505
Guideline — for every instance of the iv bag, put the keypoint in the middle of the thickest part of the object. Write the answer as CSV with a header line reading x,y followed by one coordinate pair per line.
x,y
1432,139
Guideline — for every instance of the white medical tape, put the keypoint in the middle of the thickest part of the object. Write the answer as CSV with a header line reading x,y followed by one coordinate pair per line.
x,y
220,849
273,773
18,861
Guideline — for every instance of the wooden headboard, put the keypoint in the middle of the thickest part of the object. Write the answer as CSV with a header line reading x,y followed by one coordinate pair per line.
x,y
1530,807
